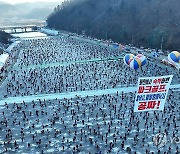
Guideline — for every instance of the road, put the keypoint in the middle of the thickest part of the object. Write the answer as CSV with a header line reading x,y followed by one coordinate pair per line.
x,y
68,95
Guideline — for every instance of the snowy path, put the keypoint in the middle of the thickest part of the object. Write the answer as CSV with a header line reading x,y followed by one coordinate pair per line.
x,y
12,46
65,63
68,95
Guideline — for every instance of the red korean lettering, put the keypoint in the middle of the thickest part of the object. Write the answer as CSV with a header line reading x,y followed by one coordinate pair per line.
x,y
151,104
162,88
141,89
159,81
155,81
142,106
147,89
155,89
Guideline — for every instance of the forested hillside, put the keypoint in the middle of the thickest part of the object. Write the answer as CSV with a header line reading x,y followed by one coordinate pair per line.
x,y
150,23
4,37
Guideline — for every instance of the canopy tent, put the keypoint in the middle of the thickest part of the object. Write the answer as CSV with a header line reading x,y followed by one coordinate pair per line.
x,y
167,62
49,31
3,59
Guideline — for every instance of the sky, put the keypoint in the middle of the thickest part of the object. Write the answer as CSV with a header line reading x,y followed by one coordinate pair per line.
x,y
23,1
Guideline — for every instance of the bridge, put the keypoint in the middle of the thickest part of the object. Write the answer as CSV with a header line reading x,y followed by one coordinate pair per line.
x,y
20,29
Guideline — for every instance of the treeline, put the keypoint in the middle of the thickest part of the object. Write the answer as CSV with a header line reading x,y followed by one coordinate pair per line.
x,y
149,23
4,37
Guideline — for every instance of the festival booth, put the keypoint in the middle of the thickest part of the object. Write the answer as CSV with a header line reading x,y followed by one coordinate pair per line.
x,y
167,62
49,31
173,59
121,47
154,54
115,45
3,59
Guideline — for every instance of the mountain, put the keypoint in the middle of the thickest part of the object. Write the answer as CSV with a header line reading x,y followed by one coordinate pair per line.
x,y
149,23
27,10
38,13
7,10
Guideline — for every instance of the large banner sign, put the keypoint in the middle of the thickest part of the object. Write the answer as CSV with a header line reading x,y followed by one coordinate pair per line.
x,y
152,93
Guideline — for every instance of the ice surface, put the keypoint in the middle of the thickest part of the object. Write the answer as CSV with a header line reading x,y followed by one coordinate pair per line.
x,y
67,95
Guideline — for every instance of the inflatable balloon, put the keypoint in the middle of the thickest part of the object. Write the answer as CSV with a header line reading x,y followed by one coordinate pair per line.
x,y
127,57
173,57
130,59
135,63
142,59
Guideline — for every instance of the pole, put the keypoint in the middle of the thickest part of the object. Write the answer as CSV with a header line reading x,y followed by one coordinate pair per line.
x,y
132,40
162,40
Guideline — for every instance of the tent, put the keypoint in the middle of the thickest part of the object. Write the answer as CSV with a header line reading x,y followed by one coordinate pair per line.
x,y
167,62
3,59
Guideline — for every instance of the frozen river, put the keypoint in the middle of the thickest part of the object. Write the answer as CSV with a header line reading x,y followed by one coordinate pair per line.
x,y
65,95
29,35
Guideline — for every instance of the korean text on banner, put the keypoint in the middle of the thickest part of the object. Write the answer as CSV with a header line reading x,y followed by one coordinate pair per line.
x,y
152,93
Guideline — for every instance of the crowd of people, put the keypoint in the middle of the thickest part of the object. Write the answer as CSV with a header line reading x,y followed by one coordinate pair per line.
x,y
81,74
91,124
99,124
61,49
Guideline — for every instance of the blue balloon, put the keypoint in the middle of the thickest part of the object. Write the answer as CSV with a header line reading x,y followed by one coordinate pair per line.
x,y
135,63
173,57
127,57
142,58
